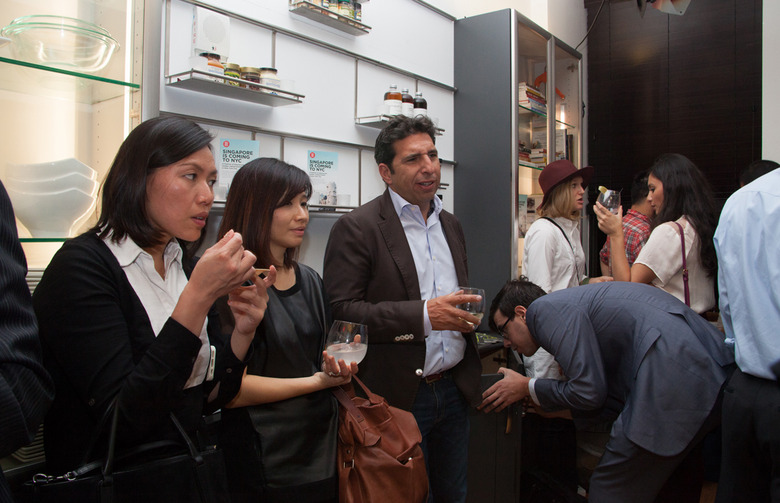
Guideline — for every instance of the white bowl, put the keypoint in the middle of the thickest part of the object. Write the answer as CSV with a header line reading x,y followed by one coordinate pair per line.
x,y
49,170
52,214
58,184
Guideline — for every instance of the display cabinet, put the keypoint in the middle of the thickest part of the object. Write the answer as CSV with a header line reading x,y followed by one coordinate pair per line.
x,y
515,111
69,90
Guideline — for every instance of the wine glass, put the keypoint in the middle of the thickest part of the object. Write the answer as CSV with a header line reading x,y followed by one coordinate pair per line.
x,y
347,341
610,199
475,308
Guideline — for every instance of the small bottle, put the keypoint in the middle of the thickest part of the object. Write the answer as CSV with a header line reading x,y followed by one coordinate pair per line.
x,y
407,103
393,101
420,105
233,70
358,12
213,65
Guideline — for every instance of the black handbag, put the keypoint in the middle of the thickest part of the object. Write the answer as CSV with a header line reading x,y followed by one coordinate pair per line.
x,y
161,471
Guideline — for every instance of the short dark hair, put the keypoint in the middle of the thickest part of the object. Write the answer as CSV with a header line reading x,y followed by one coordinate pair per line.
x,y
154,144
515,292
257,189
639,188
397,129
756,169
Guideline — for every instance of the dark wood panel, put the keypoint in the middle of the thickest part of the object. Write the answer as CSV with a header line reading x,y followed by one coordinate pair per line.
x,y
662,83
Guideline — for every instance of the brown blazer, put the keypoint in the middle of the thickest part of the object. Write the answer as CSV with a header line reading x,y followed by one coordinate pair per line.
x,y
370,277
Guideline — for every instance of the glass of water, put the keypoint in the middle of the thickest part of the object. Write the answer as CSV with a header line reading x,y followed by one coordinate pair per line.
x,y
347,341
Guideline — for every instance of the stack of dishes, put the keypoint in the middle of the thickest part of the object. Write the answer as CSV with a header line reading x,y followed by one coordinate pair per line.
x,y
62,42
49,198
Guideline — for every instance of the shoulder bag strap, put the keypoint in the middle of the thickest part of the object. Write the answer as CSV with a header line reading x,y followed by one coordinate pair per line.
x,y
684,266
570,245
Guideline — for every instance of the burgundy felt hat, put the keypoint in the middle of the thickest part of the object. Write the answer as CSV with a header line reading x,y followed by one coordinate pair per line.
x,y
558,172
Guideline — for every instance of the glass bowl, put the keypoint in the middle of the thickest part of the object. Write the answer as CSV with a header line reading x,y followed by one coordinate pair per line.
x,y
61,42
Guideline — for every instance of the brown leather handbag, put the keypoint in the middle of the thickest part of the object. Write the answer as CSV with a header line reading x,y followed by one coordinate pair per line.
x,y
379,454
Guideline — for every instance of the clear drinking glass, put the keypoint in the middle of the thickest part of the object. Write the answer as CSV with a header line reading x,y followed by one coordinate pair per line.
x,y
610,199
347,341
475,308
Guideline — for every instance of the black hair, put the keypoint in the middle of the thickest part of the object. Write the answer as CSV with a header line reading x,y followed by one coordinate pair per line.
x,y
687,192
639,188
397,129
257,189
515,292
756,169
154,144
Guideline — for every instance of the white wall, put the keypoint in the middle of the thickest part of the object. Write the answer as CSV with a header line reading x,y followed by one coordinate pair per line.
x,y
770,75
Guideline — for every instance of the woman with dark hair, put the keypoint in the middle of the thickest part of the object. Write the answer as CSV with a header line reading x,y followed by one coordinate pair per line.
x,y
124,313
682,199
279,433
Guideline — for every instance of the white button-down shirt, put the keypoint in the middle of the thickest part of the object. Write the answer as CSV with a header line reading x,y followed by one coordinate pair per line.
x,y
436,275
159,296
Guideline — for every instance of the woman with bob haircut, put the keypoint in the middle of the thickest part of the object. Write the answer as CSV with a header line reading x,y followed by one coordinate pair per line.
x,y
124,311
680,194
553,259
279,433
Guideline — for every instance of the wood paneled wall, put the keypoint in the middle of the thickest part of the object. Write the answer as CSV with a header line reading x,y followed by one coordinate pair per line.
x,y
661,83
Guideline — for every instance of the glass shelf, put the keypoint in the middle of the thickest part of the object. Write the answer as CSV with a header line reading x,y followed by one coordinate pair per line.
x,y
327,17
526,110
36,79
380,121
193,81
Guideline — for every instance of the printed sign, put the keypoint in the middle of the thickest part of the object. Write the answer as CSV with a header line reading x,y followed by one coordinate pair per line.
x,y
232,155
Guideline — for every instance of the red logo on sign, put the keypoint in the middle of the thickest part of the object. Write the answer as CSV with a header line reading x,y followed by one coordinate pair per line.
x,y
312,154
226,143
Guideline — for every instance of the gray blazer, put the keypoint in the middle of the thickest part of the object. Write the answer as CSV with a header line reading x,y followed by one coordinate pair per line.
x,y
370,277
631,350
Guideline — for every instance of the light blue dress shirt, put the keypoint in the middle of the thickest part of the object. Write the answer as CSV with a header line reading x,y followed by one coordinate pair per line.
x,y
746,242
436,275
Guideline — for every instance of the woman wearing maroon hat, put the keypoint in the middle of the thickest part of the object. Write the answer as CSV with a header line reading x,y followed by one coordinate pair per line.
x,y
553,258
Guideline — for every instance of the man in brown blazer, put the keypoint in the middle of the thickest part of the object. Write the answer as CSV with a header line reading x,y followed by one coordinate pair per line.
x,y
395,264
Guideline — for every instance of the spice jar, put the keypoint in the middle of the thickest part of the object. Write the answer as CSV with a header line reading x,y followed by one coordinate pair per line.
x,y
269,78
213,65
233,70
251,74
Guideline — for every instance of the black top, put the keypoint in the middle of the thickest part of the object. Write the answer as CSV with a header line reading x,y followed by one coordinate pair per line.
x,y
286,451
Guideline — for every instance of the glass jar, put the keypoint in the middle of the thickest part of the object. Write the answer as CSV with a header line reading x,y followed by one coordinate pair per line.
x,y
346,8
233,70
269,78
214,66
393,101
251,74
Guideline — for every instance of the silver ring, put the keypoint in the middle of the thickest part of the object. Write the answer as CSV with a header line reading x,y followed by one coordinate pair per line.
x,y
334,375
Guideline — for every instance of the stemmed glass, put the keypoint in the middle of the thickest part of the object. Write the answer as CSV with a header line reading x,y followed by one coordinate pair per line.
x,y
475,308
347,341
610,199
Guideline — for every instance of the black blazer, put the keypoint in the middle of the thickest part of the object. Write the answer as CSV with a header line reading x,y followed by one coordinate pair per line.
x,y
25,387
370,277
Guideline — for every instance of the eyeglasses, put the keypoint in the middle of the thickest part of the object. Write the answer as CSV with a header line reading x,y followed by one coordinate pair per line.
x,y
503,326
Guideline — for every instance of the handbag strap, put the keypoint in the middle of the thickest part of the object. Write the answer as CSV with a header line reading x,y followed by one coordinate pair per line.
x,y
684,266
570,245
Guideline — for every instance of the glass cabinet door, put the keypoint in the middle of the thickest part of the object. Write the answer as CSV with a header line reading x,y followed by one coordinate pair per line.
x,y
568,104
70,76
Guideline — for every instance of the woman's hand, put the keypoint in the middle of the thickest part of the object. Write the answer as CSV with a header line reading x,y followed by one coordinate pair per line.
x,y
335,373
609,223
223,267
248,304
600,279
